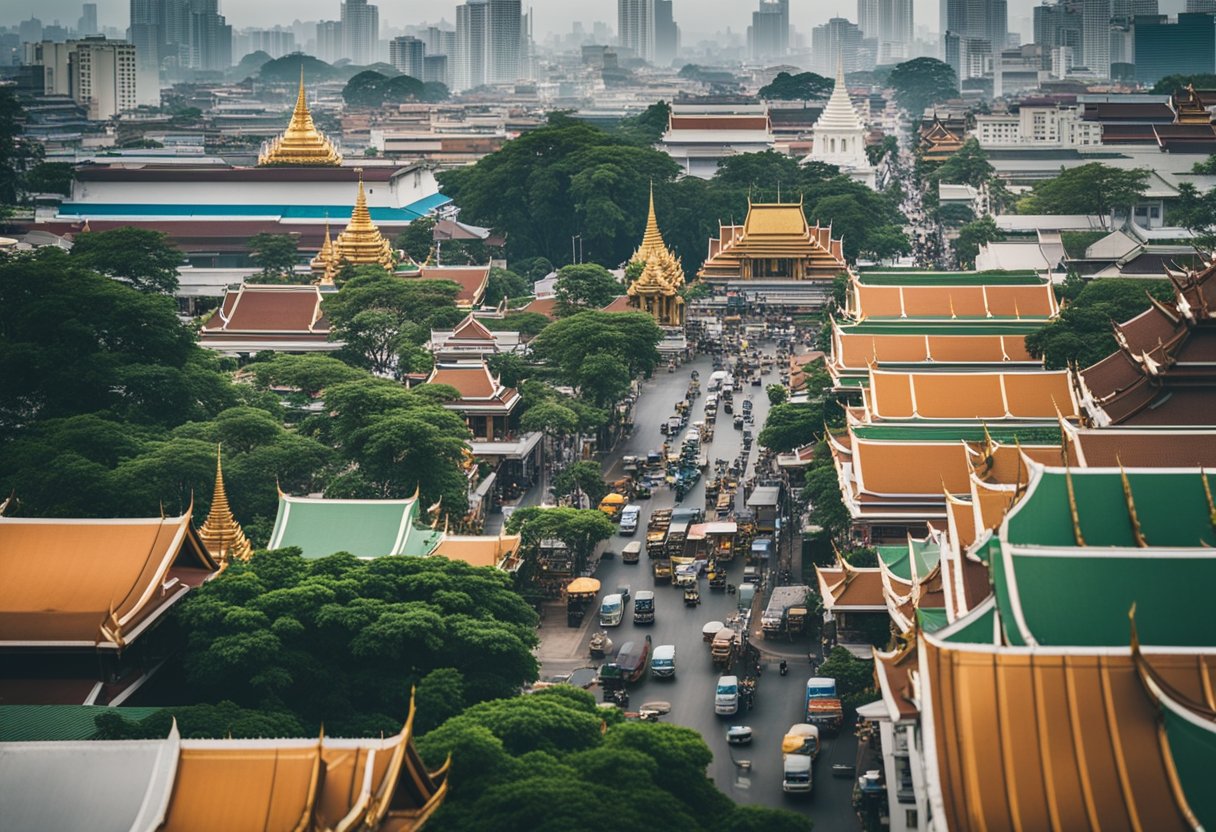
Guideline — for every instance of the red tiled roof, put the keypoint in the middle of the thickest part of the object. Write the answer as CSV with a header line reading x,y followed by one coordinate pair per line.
x,y
472,381
471,280
542,306
620,304
254,308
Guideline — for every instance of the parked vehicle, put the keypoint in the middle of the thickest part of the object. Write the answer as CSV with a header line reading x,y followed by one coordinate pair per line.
x,y
774,620
747,594
726,696
629,519
612,504
801,739
823,706
632,552
738,735
663,662
796,774
724,647
643,607
600,645
633,659
612,610
710,630
662,570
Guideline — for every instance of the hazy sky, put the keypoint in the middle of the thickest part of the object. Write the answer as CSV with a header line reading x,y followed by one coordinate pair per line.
x,y
694,16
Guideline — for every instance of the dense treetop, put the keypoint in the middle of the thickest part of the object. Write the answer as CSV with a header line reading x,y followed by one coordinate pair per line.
x,y
1083,334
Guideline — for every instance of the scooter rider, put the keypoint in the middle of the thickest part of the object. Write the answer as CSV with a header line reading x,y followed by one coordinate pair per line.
x,y
783,667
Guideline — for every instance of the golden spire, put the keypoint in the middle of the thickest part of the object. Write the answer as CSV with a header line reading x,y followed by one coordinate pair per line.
x,y
322,264
360,244
652,238
301,143
221,534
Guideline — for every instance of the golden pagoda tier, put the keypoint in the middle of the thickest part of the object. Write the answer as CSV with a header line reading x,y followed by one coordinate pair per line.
x,y
657,289
221,533
775,242
301,143
360,243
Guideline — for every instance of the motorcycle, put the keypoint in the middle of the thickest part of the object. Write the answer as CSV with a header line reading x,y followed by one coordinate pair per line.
x,y
783,667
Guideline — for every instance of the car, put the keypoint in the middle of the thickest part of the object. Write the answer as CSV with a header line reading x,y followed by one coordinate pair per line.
x,y
612,610
739,734
726,696
663,662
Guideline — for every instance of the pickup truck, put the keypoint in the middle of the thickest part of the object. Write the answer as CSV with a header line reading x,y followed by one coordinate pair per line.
x,y
824,709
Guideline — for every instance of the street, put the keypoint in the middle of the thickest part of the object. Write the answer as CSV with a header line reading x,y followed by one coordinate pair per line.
x,y
779,701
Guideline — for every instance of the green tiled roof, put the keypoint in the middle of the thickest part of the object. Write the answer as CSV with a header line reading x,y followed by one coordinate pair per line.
x,y
897,558
857,381
1172,509
59,723
975,627
947,326
365,528
934,432
1193,748
914,278
932,619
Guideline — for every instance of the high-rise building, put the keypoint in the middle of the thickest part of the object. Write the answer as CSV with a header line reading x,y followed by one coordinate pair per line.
x,y
102,76
435,68
1058,26
274,42
837,42
53,59
1199,7
210,37
1187,47
769,35
986,20
30,31
504,38
329,40
86,26
1095,36
440,41
635,27
867,18
895,31
407,55
471,22
360,32
1125,10
666,33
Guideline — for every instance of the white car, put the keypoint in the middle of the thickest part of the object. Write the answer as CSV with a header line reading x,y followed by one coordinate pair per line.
x,y
726,696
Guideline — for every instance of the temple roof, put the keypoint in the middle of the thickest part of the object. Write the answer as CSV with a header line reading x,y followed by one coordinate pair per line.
x,y
183,785
472,281
662,273
774,230
365,528
480,390
1141,448
1052,740
921,279
481,550
257,308
855,350
904,558
969,396
94,583
360,243
869,301
301,143
839,114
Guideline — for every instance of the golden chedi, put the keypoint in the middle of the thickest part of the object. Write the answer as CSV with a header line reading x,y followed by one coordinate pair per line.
x,y
301,143
657,289
221,533
360,243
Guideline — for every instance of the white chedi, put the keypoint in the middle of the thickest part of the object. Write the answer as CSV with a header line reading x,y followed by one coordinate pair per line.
x,y
839,136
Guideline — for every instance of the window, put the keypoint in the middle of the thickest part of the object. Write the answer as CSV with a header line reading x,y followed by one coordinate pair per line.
x,y
910,818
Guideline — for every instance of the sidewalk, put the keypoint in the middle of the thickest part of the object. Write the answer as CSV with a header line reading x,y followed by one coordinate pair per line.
x,y
559,643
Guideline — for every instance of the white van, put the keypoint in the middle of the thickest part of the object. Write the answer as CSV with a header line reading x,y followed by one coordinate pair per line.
x,y
612,610
726,696
663,662
629,518
796,773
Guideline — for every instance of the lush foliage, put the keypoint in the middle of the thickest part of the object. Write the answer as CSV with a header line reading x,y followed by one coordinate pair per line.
x,y
821,489
1093,188
855,677
225,719
971,236
145,259
583,477
1171,84
1196,212
554,761
579,528
417,240
50,178
341,640
373,89
599,353
800,87
17,154
968,166
585,286
505,284
275,255
1083,334
922,82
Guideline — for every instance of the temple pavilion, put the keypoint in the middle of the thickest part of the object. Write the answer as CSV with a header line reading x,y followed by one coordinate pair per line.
x,y
359,244
657,289
775,242
176,784
301,143
940,139
364,528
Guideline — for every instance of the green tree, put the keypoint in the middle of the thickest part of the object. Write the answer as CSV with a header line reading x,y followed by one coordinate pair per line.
x,y
790,426
767,170
1171,84
921,82
853,676
342,640
527,324
971,237
220,721
777,394
1196,212
275,254
632,338
505,284
510,368
532,268
286,70
968,166
1082,334
310,374
145,259
1093,188
800,87
585,476
647,127
17,153
955,214
551,418
579,529
417,239
50,178
374,89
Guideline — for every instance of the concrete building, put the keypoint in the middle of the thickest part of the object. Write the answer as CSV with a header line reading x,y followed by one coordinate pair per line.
x,y
895,31
1040,125
1184,47
470,69
700,135
86,26
636,27
360,32
666,33
985,20
97,73
274,42
834,42
769,35
1057,26
329,40
1095,36
407,55
489,37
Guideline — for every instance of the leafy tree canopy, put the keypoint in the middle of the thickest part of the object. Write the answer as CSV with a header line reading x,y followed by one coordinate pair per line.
x,y
287,69
342,640
630,338
921,82
144,259
17,153
505,284
585,476
790,426
800,87
50,178
374,89
1171,84
274,254
580,529
1082,334
1093,188
585,286
971,236
417,240
647,127
968,166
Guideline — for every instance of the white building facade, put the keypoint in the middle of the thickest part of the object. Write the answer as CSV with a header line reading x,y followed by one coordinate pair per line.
x,y
840,136
1046,126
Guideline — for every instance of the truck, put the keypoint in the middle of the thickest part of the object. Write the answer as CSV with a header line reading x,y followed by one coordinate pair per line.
x,y
632,552
629,518
662,570
775,619
823,706
724,647
677,534
796,774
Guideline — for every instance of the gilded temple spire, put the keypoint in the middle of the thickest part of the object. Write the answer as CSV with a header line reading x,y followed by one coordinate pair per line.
x,y
221,533
301,143
360,243
657,288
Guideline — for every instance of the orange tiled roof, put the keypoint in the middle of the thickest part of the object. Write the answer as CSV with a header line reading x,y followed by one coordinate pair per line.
x,y
907,395
479,550
887,301
858,351
472,281
88,583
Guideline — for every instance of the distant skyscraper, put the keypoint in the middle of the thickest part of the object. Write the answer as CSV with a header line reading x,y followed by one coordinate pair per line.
x,y
329,40
1095,36
471,21
1201,6
1184,48
895,31
1058,26
440,41
360,32
95,72
407,55
635,27
87,25
503,41
867,18
836,42
977,20
666,33
435,68
769,35
210,37
1128,9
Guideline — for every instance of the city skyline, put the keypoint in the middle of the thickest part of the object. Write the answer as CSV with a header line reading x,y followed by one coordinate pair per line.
x,y
552,16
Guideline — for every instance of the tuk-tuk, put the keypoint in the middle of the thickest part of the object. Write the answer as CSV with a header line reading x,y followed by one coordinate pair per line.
x,y
692,597
612,504
738,423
